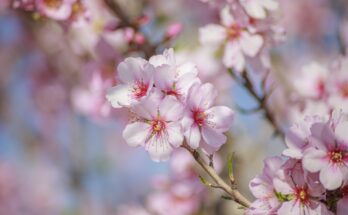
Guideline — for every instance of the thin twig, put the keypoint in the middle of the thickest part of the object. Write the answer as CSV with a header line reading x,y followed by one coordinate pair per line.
x,y
233,193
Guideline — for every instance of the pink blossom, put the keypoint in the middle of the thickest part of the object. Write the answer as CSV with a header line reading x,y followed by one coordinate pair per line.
x,y
204,121
299,195
136,80
311,83
328,153
258,8
296,138
262,188
171,78
238,41
55,9
173,30
157,127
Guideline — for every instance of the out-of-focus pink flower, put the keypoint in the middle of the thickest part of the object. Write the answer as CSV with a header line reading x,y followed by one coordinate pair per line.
x,y
204,121
157,128
55,9
238,41
173,79
136,81
258,8
311,83
262,188
328,153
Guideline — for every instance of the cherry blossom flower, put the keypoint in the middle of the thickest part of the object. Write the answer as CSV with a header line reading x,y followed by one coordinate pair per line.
x,y
136,81
299,195
329,152
311,83
262,188
204,123
171,78
258,8
296,138
342,204
157,126
238,41
55,9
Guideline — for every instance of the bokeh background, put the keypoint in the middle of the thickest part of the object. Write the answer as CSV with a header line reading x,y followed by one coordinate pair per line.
x,y
61,148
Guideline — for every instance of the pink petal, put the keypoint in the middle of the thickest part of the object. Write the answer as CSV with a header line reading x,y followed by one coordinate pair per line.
x,y
331,177
201,96
212,137
254,8
171,109
220,117
290,207
136,133
148,107
323,133
342,206
282,186
167,58
175,134
260,189
314,160
233,56
251,44
131,69
164,77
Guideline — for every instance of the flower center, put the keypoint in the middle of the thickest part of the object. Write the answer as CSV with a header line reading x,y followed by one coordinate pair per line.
x,y
234,31
53,3
336,156
302,195
344,89
158,126
140,89
199,117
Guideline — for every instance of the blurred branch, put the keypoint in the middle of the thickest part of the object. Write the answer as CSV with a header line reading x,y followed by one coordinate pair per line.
x,y
232,193
114,6
245,81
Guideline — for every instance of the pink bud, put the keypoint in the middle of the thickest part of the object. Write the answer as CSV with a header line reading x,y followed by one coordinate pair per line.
x,y
139,38
128,34
173,30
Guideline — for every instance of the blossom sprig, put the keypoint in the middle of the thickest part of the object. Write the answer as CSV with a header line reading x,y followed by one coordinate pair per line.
x,y
169,103
313,180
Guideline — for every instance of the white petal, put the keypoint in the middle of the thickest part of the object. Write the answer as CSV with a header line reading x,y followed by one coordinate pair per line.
x,y
314,160
251,44
171,109
212,34
193,136
233,56
136,133
220,117
213,137
148,107
270,4
175,134
342,206
131,69
119,96
159,148
254,9
331,177
341,132
165,77
226,17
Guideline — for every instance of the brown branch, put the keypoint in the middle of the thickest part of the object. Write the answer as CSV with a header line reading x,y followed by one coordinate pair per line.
x,y
147,47
219,182
261,99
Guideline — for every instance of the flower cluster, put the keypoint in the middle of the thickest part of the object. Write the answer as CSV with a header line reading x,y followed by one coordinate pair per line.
x,y
314,178
169,104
